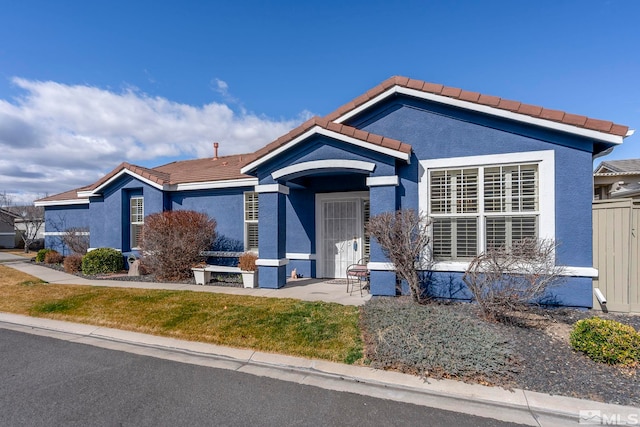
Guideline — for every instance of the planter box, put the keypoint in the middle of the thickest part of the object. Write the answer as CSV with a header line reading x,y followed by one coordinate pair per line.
x,y
250,279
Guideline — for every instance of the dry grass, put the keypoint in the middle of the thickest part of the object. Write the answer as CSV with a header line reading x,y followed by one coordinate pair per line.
x,y
309,329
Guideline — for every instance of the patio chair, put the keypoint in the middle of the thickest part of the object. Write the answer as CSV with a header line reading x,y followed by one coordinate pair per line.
x,y
358,275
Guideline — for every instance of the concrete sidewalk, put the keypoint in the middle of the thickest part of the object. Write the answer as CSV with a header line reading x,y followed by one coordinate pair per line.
x,y
9,257
517,406
303,289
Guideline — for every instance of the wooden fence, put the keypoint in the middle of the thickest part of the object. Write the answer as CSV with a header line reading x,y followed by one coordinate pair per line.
x,y
616,247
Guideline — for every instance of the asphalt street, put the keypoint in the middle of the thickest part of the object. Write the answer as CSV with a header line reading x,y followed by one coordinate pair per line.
x,y
46,381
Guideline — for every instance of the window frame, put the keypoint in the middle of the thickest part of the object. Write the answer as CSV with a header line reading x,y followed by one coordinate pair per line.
x,y
546,190
132,223
248,222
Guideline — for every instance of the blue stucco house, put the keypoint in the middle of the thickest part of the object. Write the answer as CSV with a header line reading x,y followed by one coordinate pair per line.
x,y
487,170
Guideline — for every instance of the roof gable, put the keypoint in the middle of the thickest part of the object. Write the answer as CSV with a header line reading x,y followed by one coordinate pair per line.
x,y
593,128
627,166
320,126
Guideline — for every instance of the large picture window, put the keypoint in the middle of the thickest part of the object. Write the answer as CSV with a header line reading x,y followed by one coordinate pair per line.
x,y
137,220
251,221
486,205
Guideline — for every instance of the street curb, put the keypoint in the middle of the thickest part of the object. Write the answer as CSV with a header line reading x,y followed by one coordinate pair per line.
x,y
518,406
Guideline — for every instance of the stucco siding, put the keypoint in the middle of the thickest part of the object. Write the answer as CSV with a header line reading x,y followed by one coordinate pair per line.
x,y
225,206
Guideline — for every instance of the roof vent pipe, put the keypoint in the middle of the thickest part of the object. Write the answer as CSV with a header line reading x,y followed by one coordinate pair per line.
x,y
215,151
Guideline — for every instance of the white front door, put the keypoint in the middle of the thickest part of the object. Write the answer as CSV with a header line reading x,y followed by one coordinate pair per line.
x,y
340,232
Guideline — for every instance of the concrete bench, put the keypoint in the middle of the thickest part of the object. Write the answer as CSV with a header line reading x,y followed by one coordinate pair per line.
x,y
203,274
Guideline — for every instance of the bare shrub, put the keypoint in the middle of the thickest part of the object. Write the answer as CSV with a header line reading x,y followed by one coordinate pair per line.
x,y
72,263
403,237
172,242
26,220
76,239
53,257
504,280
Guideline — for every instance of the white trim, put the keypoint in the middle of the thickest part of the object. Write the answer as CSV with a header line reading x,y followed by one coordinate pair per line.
x,y
381,266
379,181
272,188
6,233
300,256
331,134
461,267
96,191
264,262
64,233
318,165
562,127
212,185
62,202
546,182
100,247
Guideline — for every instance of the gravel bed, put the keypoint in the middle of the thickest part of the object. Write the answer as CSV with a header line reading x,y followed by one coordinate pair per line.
x,y
550,365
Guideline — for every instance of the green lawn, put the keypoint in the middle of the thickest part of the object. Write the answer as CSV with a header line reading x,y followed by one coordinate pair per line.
x,y
309,329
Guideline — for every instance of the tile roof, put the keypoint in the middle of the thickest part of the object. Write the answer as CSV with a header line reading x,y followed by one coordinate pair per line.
x,y
179,172
204,170
488,100
614,167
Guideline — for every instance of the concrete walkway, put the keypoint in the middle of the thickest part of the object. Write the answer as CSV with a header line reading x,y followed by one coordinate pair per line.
x,y
303,289
517,406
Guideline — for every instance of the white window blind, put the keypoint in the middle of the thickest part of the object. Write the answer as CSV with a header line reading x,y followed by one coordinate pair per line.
x,y
251,221
136,220
478,208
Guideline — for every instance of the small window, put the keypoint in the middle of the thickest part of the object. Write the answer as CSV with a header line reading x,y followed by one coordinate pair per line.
x,y
251,221
137,221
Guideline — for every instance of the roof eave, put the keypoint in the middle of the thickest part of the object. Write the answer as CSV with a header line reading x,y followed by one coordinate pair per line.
x,y
318,130
486,109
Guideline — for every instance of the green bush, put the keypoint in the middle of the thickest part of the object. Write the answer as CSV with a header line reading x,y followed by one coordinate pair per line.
x,y
41,254
606,341
53,257
101,261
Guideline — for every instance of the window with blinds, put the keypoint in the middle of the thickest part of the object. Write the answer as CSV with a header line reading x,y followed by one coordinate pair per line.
x,y
479,208
251,221
136,220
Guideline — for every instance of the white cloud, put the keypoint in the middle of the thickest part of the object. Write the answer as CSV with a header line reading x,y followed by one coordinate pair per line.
x,y
56,137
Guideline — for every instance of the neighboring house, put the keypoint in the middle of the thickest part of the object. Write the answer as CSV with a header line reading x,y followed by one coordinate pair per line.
x,y
488,171
614,179
7,230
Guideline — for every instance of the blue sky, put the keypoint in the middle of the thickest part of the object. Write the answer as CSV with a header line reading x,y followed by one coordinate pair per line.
x,y
85,85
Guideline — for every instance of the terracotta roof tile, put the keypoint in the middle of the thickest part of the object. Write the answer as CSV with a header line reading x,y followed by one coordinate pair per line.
x,y
599,125
574,119
452,92
494,101
530,110
554,115
375,139
465,95
506,104
619,130
415,84
432,88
